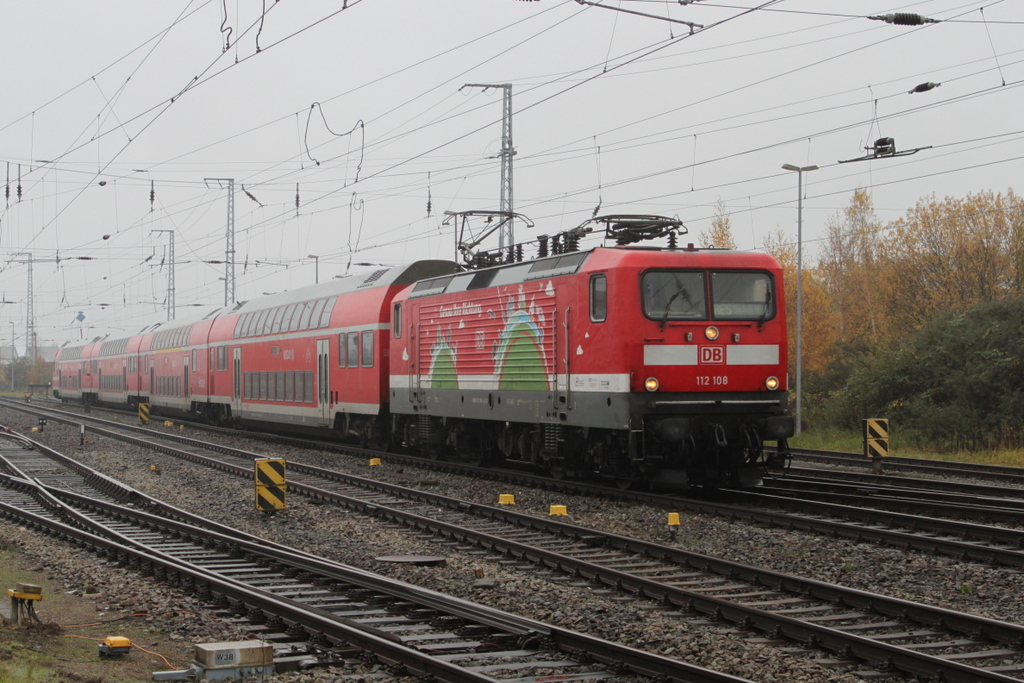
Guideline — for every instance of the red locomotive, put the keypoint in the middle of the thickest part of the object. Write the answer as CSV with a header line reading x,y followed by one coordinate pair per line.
x,y
634,364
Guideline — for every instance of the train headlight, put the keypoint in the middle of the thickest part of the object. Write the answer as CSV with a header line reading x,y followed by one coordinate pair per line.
x,y
772,383
711,333
651,384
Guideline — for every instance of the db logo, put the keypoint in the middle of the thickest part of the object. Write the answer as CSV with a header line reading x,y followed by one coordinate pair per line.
x,y
712,355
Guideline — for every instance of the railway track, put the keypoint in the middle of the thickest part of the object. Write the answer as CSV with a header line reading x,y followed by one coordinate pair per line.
x,y
1013,476
313,611
858,626
910,528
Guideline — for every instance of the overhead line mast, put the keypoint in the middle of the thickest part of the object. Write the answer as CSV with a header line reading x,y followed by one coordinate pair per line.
x,y
229,248
506,236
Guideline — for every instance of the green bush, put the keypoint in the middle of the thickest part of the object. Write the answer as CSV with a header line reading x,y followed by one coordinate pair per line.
x,y
955,384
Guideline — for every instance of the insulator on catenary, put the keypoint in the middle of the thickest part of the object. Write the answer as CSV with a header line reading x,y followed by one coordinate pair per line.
x,y
924,87
542,246
296,199
152,195
904,19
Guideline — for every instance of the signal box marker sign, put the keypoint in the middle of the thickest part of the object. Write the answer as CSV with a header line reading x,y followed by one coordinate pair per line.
x,y
270,484
876,437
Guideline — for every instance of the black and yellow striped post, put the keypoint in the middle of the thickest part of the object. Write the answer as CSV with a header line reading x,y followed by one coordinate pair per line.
x,y
876,441
270,484
143,413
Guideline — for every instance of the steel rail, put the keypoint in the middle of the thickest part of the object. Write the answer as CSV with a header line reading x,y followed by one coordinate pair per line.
x,y
895,463
864,648
950,506
901,539
88,532
940,485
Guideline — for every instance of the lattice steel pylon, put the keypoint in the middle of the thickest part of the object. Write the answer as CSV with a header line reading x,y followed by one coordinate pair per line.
x,y
229,248
506,236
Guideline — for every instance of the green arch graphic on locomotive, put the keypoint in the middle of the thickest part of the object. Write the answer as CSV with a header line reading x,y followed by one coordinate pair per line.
x,y
443,374
520,355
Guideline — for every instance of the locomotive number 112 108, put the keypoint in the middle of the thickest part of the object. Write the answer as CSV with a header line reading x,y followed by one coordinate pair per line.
x,y
709,380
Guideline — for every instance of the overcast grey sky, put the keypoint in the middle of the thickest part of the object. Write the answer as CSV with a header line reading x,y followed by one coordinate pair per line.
x,y
101,101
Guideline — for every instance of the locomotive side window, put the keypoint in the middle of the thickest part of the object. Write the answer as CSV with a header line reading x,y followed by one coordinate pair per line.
x,y
598,298
742,296
396,322
353,349
367,336
674,295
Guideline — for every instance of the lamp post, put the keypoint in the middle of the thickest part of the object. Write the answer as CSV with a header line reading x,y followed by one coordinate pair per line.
x,y
800,170
317,260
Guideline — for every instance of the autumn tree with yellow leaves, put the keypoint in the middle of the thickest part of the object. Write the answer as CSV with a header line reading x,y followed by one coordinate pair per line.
x,y
897,298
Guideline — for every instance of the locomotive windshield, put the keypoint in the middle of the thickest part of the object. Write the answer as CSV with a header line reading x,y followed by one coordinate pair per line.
x,y
741,296
682,295
674,295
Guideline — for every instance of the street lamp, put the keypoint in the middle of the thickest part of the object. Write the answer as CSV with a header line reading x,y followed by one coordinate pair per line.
x,y
317,259
800,170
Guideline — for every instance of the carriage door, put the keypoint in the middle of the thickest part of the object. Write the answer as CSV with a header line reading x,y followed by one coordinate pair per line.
x,y
152,378
124,375
236,384
187,386
323,378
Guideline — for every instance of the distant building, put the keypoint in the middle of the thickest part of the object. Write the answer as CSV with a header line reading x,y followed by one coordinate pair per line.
x,y
47,353
10,353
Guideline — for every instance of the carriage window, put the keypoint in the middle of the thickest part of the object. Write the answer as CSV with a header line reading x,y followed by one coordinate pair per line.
x,y
674,295
341,350
353,349
275,324
325,316
598,298
318,310
307,308
396,322
367,348
742,296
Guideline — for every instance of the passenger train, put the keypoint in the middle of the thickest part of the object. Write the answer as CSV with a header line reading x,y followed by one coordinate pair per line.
x,y
646,366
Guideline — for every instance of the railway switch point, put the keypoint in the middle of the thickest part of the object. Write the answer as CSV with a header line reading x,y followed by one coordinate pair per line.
x,y
115,646
558,510
506,499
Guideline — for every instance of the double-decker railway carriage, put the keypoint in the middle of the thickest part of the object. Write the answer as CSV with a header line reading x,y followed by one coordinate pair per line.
x,y
636,364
